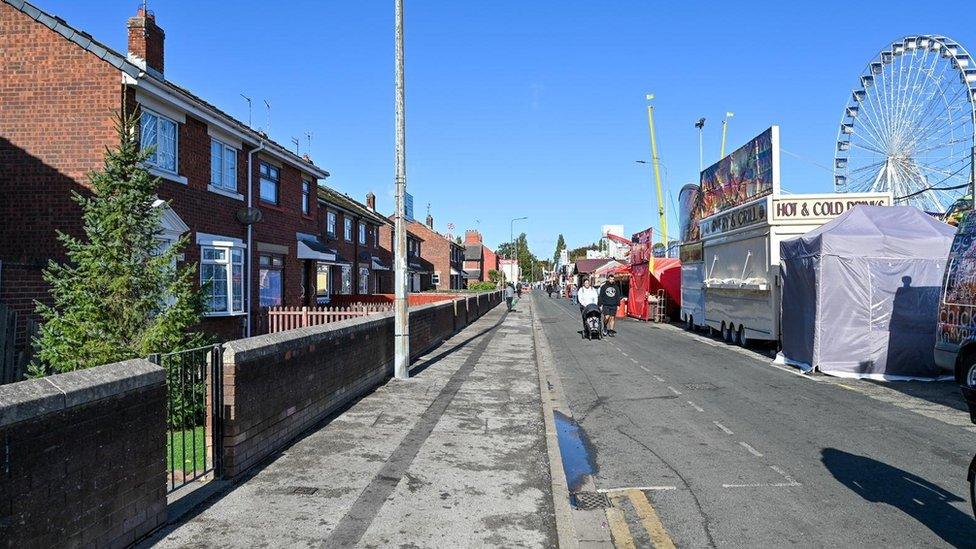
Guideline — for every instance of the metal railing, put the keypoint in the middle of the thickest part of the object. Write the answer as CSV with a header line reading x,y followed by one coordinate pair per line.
x,y
194,394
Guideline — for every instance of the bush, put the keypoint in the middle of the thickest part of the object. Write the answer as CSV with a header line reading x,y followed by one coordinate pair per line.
x,y
481,286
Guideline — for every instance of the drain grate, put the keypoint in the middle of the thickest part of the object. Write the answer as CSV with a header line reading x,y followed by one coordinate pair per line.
x,y
589,501
700,387
304,490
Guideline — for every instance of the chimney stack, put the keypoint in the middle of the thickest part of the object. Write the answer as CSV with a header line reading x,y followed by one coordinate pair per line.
x,y
430,222
146,42
472,237
371,201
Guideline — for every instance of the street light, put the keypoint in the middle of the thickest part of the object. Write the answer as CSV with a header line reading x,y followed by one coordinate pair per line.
x,y
511,238
401,324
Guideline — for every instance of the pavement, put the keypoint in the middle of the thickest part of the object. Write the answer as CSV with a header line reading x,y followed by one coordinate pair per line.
x,y
456,456
695,443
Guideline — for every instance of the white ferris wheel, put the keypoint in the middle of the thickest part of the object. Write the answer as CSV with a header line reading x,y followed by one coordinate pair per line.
x,y
910,125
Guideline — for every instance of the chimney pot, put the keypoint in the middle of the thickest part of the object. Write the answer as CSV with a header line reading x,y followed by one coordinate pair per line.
x,y
371,201
430,222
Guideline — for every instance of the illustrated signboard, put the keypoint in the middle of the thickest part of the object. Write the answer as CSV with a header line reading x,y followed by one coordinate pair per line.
x,y
689,212
750,172
814,209
956,314
640,251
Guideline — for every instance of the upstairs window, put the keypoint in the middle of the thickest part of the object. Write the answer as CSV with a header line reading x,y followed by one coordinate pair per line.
x,y
348,228
306,196
330,224
269,183
362,235
159,132
223,166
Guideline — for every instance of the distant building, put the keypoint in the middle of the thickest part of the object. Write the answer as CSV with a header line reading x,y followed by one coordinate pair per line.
x,y
510,268
478,258
596,254
615,250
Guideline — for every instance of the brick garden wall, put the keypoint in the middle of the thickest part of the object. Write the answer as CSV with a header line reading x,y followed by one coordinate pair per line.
x,y
276,386
84,457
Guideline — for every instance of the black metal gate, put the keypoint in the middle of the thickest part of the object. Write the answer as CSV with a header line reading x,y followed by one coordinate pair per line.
x,y
194,422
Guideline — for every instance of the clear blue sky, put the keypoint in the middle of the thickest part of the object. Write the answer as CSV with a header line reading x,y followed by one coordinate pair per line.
x,y
530,108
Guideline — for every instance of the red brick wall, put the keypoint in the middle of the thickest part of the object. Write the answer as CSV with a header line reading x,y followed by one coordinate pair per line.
x,y
491,263
56,108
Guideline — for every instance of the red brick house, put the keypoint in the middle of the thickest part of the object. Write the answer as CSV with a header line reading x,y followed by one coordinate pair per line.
x,y
445,256
420,271
478,258
59,92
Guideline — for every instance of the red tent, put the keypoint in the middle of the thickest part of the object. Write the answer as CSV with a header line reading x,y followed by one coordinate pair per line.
x,y
666,275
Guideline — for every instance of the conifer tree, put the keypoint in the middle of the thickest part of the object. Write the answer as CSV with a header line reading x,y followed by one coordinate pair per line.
x,y
119,295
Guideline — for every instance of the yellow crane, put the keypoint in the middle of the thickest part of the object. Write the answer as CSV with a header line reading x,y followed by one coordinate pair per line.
x,y
725,128
657,180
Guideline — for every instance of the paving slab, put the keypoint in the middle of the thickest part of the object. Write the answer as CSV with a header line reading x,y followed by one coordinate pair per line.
x,y
454,457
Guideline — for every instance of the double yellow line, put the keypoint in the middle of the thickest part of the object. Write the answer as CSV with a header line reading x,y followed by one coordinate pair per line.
x,y
617,520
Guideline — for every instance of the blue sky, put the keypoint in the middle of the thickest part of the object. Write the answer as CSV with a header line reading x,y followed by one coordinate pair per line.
x,y
535,109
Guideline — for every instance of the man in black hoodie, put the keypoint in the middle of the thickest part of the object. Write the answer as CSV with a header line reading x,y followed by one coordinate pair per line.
x,y
609,300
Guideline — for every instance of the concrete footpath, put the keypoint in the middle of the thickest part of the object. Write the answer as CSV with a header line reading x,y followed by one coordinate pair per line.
x,y
453,457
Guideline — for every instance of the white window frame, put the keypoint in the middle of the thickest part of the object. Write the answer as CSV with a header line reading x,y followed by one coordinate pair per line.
x,y
229,245
331,219
363,279
227,185
345,280
347,228
362,233
262,179
306,197
435,278
176,141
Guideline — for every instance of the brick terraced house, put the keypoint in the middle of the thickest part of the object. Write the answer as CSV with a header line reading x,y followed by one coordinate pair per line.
x,y
420,271
262,227
478,258
444,254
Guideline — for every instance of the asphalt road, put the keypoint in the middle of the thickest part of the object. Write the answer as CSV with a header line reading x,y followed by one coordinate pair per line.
x,y
732,452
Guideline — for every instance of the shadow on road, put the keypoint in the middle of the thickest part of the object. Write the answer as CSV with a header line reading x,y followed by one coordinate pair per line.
x,y
927,503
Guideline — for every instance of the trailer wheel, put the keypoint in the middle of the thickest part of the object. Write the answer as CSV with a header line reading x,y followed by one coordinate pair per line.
x,y
740,337
729,334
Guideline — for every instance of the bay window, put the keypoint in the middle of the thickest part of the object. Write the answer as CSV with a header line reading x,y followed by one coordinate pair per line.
x,y
223,166
159,132
270,278
222,278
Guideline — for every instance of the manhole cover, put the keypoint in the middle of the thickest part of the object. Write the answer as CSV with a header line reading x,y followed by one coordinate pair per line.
x,y
589,501
700,387
304,490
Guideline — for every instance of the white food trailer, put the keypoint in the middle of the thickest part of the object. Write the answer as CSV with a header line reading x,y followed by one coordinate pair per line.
x,y
692,278
740,249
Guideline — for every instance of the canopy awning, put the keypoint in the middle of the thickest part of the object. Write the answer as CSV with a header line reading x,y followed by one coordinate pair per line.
x,y
312,247
378,265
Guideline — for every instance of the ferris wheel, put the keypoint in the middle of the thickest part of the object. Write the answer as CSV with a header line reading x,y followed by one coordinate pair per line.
x,y
910,125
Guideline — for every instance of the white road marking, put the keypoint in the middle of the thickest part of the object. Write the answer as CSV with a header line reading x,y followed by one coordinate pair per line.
x,y
695,406
659,378
782,473
642,367
724,428
760,485
623,353
673,390
634,360
752,450
641,488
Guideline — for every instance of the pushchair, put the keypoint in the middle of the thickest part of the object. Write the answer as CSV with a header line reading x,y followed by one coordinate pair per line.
x,y
592,322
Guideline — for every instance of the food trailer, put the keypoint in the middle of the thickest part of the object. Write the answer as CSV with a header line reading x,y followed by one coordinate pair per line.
x,y
690,253
744,218
740,248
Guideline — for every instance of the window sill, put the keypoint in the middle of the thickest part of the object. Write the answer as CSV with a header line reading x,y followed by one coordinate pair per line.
x,y
270,206
219,315
225,192
169,176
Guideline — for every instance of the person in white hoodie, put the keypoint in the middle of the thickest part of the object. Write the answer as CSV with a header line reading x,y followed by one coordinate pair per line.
x,y
587,295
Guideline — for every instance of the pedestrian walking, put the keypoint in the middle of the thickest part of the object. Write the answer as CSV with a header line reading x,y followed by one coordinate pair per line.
x,y
509,295
609,300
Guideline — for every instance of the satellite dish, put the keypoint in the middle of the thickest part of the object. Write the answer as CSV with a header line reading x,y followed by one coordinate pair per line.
x,y
249,216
